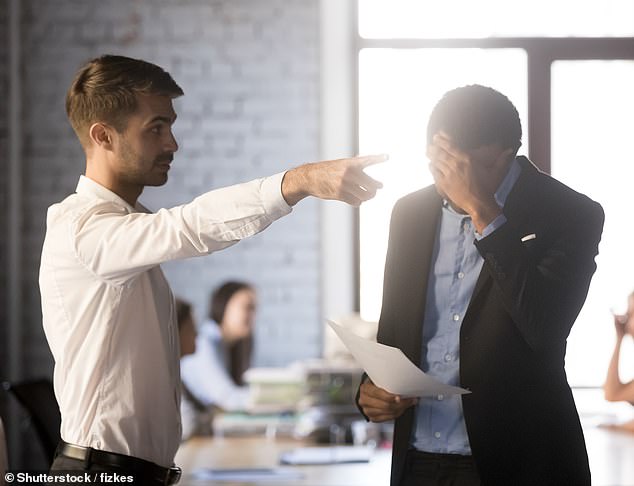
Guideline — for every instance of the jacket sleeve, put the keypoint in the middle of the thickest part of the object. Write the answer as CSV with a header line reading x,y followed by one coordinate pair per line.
x,y
544,290
385,331
364,378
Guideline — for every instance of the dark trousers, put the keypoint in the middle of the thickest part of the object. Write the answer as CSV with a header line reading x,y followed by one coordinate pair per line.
x,y
427,469
66,465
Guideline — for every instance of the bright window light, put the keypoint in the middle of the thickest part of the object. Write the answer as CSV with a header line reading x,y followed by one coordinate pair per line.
x,y
592,106
385,19
397,91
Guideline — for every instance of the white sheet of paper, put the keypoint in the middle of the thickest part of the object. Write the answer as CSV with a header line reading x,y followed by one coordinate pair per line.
x,y
390,369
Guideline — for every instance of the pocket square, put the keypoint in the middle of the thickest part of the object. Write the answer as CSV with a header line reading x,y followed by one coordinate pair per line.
x,y
532,236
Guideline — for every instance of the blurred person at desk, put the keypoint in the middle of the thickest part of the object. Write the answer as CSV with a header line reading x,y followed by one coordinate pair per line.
x,y
107,310
195,418
213,374
614,389
485,274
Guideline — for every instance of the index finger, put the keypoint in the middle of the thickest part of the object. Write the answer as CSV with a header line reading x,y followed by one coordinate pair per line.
x,y
367,160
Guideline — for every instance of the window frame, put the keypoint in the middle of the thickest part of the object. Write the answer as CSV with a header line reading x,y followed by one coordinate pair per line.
x,y
541,53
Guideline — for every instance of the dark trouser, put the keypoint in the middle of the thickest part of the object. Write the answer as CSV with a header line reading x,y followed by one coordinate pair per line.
x,y
66,465
427,469
99,467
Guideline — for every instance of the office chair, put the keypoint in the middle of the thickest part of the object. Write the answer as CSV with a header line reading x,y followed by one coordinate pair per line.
x,y
4,462
38,399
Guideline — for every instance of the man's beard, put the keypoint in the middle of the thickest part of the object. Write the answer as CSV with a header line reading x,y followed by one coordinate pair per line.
x,y
134,166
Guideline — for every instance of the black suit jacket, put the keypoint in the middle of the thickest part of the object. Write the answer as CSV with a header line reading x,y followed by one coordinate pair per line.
x,y
521,419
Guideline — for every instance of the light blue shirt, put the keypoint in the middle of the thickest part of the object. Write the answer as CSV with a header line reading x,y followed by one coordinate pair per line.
x,y
456,264
206,375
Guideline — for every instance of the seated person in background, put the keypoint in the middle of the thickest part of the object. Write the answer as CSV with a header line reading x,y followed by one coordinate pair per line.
x,y
186,327
615,390
213,374
195,418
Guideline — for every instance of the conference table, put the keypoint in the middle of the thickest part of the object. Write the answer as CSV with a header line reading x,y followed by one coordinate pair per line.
x,y
259,456
610,454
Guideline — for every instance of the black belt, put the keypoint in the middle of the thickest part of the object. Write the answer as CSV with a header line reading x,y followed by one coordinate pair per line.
x,y
149,470
431,461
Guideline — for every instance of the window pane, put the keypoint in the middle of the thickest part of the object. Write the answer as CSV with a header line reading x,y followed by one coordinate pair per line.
x,y
592,106
397,90
495,18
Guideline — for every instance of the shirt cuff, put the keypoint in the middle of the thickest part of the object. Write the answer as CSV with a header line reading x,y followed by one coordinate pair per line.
x,y
272,198
492,226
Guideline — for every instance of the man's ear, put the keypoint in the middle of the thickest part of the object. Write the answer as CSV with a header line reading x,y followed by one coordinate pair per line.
x,y
101,135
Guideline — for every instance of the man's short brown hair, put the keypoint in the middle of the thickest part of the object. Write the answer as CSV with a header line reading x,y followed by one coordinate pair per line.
x,y
105,89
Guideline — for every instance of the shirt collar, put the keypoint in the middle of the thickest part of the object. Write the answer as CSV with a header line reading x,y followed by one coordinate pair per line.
x,y
507,183
89,187
503,190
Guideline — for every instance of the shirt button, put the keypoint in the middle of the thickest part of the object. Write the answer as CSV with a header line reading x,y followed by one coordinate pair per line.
x,y
437,435
456,317
447,357
441,397
460,275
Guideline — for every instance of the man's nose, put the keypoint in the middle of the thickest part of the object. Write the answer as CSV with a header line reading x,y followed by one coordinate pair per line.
x,y
171,143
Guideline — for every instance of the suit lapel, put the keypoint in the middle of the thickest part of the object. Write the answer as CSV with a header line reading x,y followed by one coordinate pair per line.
x,y
420,250
513,209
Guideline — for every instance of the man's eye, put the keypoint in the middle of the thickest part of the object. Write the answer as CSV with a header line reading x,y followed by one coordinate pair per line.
x,y
156,130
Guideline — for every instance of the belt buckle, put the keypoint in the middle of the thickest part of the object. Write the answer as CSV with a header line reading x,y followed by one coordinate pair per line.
x,y
173,475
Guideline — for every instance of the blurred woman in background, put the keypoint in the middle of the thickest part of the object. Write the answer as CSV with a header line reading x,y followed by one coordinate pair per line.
x,y
614,389
213,374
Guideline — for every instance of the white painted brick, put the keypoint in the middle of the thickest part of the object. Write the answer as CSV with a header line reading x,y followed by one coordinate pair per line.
x,y
250,72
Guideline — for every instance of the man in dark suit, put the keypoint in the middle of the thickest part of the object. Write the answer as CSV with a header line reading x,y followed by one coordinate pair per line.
x,y
486,272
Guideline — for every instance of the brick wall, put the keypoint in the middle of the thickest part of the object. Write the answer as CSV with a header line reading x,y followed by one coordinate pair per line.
x,y
249,69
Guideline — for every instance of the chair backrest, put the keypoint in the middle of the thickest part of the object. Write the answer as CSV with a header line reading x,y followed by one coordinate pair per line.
x,y
4,462
38,399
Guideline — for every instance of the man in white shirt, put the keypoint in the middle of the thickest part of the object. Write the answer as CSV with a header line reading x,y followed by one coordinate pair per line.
x,y
108,312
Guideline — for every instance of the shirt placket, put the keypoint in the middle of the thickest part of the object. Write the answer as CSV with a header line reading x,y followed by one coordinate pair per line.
x,y
456,310
453,318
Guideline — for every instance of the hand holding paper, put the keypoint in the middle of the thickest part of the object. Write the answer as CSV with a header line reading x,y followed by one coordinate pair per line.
x,y
390,369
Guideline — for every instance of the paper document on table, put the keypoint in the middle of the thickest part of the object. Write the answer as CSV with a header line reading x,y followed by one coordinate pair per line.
x,y
390,369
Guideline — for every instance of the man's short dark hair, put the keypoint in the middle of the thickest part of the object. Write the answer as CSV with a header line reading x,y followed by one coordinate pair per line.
x,y
105,89
473,116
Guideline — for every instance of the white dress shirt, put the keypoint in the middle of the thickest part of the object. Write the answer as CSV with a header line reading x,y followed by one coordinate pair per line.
x,y
205,373
109,314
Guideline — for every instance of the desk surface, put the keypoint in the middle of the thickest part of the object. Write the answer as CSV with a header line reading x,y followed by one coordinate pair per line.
x,y
260,452
610,454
